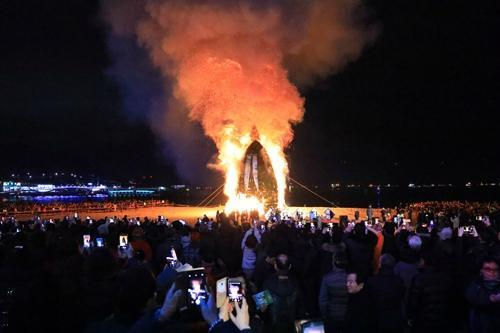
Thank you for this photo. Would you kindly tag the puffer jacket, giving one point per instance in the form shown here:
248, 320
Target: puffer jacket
283, 311
333, 296
429, 301
361, 252
387, 291
484, 316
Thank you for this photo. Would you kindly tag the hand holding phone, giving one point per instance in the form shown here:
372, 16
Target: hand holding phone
242, 318
172, 260
209, 310
86, 241
99, 242
234, 290
123, 241
195, 285
171, 303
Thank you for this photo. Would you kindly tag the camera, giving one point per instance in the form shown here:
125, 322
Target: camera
468, 230
172, 259
235, 290
232, 288
194, 283
99, 242
86, 241
123, 241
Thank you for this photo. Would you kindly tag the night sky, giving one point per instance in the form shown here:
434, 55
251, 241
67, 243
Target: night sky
420, 105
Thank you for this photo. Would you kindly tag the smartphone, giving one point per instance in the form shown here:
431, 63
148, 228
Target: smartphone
264, 298
173, 254
99, 242
195, 284
86, 241
234, 290
123, 241
172, 259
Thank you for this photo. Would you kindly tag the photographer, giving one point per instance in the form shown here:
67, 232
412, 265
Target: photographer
360, 247
230, 318
284, 289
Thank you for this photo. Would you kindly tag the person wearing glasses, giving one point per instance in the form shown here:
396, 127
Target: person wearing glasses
483, 295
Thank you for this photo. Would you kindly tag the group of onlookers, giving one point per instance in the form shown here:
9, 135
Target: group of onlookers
433, 275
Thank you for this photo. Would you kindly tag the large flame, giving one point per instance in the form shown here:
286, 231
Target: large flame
231, 154
230, 76
223, 60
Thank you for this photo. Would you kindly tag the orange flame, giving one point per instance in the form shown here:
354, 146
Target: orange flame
229, 75
226, 63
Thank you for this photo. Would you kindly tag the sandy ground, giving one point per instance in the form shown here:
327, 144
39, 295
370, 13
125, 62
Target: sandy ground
188, 213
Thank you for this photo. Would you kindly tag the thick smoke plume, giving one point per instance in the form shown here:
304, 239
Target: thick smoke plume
229, 65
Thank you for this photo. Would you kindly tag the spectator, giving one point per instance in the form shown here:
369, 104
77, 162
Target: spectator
483, 295
139, 243
284, 290
333, 296
359, 304
248, 244
360, 247
387, 291
389, 246
429, 299
190, 252
407, 266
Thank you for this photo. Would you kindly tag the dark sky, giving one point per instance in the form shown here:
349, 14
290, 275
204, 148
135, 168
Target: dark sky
421, 104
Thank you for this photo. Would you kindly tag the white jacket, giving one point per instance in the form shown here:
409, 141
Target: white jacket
249, 256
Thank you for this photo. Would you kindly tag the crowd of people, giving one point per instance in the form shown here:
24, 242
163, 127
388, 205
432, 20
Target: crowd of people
30, 207
439, 273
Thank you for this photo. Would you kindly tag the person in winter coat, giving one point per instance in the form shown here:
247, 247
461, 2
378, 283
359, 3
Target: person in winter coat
360, 247
333, 296
359, 317
284, 289
387, 291
429, 299
483, 295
